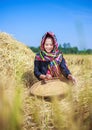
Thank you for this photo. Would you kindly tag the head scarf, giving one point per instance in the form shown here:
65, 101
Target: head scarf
54, 58
52, 35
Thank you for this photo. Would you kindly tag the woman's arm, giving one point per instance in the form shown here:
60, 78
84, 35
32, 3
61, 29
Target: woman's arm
64, 69
66, 72
37, 72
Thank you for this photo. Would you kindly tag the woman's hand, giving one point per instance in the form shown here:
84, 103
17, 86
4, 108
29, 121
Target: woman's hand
42, 76
72, 78
47, 76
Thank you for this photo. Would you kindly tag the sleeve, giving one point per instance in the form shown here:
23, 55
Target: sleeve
64, 69
37, 73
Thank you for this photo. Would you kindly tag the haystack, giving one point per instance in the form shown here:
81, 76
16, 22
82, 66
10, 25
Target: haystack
16, 60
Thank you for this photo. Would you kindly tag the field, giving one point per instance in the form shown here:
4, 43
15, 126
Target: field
71, 113
21, 111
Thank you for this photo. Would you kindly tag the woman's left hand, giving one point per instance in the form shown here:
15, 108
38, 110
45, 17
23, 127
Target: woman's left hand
72, 78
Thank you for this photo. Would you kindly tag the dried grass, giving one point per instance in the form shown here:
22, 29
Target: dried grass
16, 60
16, 70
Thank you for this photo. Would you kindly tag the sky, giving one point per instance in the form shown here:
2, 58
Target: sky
28, 20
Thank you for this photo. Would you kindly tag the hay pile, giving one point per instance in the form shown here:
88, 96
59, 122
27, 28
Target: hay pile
16, 60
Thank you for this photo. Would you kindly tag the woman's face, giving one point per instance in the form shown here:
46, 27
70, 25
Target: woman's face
48, 45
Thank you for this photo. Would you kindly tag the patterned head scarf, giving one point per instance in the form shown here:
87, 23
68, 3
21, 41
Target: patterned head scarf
52, 35
54, 58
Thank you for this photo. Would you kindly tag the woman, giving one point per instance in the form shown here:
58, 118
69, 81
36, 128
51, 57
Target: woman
49, 62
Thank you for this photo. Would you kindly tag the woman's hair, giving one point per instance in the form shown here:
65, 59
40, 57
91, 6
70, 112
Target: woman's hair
49, 36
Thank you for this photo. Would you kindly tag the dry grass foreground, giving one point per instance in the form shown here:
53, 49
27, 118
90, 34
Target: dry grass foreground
71, 113
19, 111
16, 71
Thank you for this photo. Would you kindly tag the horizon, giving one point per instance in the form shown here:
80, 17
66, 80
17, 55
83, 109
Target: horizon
27, 21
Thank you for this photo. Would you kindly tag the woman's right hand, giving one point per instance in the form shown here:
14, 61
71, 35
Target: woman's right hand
47, 76
42, 76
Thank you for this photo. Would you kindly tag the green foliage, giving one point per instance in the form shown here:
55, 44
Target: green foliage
35, 49
66, 49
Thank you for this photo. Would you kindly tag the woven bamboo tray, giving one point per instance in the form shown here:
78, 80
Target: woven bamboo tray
49, 88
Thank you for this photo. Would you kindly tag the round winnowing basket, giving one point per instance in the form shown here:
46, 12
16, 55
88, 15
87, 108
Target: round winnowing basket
49, 88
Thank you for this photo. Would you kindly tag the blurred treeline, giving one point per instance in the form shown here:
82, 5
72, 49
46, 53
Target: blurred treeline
66, 49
